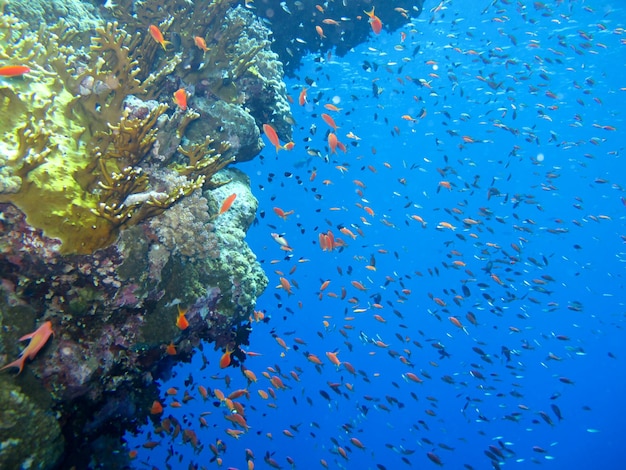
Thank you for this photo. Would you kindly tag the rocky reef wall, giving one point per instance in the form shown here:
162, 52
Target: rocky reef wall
118, 214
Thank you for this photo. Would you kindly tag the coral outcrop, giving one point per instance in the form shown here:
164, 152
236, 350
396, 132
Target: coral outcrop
80, 153
110, 197
75, 141
114, 312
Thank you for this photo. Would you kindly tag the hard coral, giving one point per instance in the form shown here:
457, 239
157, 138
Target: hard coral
81, 153
236, 85
88, 152
187, 230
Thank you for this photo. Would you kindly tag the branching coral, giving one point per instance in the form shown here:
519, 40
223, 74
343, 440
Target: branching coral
105, 81
206, 161
222, 64
81, 153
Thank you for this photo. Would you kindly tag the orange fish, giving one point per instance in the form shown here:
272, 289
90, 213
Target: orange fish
225, 359
456, 322
156, 34
314, 359
156, 408
302, 98
239, 393
171, 349
286, 285
271, 134
251, 376
374, 20
236, 418
219, 394
13, 70
200, 43
150, 444
180, 97
357, 443
277, 382
411, 376
181, 320
447, 225
332, 357
282, 214
332, 142
281, 343
346, 231
227, 203
234, 433
38, 339
332, 107
329, 120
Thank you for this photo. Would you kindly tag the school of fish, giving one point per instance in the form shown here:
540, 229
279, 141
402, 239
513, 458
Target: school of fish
450, 259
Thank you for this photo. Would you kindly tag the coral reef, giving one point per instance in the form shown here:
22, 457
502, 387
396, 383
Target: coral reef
76, 13
236, 84
81, 148
114, 311
109, 209
46, 157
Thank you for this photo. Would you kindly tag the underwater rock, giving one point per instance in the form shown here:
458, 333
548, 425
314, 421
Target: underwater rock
246, 277
232, 124
297, 21
263, 89
30, 437
189, 253
114, 312
234, 105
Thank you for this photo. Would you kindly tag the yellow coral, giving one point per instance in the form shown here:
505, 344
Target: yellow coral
76, 157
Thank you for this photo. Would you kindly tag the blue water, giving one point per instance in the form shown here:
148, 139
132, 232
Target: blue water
537, 113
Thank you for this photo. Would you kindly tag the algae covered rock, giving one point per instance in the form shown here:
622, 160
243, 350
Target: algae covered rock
245, 279
232, 124
195, 257
114, 312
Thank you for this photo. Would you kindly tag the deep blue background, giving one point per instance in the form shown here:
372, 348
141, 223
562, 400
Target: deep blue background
575, 51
